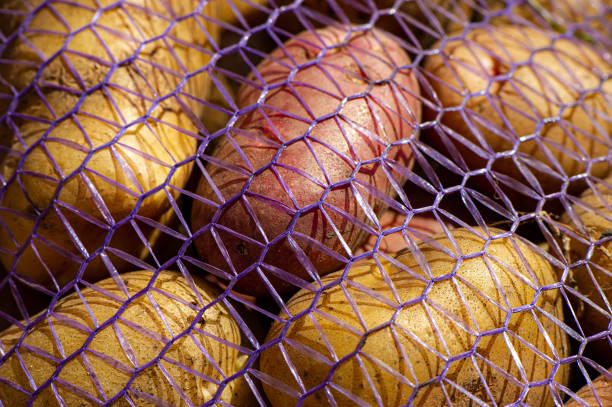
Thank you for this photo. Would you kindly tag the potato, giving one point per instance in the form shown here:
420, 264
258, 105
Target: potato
601, 388
590, 223
560, 12
530, 100
301, 189
119, 354
453, 322
76, 175
392, 241
589, 20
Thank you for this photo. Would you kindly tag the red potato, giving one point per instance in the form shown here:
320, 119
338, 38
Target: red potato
273, 180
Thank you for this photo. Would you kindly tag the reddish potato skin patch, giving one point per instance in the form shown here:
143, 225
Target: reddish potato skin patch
364, 103
391, 243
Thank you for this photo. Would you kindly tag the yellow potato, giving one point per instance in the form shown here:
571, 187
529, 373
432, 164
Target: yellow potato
114, 352
536, 100
119, 147
562, 12
592, 222
405, 353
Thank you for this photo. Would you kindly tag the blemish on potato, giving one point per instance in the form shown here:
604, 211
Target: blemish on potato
242, 249
354, 74
305, 54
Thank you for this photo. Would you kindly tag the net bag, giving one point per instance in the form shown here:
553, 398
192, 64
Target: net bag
309, 202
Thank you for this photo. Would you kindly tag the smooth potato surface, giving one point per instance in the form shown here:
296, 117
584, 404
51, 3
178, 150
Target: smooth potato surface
538, 103
151, 327
450, 311
305, 191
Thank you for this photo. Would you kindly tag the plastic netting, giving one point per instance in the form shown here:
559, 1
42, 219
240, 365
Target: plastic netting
235, 202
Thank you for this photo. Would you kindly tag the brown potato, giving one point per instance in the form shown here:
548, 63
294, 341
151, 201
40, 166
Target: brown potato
601, 388
590, 223
313, 179
404, 353
73, 176
149, 329
546, 107
560, 12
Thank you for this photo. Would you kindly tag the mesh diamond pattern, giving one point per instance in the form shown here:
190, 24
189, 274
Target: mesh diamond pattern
305, 202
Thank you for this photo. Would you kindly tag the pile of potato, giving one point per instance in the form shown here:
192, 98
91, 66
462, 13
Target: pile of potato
199, 235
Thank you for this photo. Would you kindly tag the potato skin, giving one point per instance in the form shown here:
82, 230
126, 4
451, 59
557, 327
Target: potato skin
387, 330
53, 174
417, 227
53, 167
591, 221
602, 386
548, 79
72, 323
560, 11
313, 184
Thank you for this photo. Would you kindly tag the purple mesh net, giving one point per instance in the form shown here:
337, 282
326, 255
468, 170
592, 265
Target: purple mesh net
315, 202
